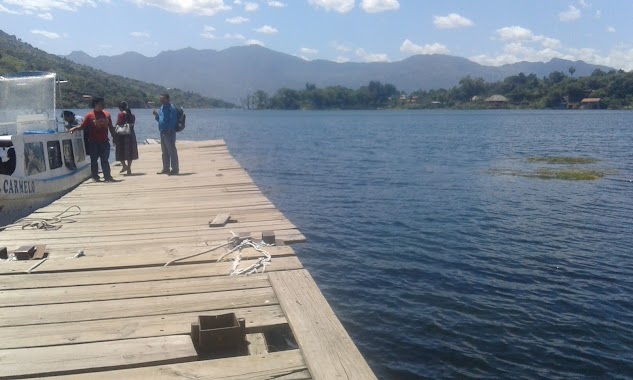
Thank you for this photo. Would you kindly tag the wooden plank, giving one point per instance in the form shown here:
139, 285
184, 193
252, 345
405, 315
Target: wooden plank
275, 365
328, 350
219, 220
89, 357
256, 344
130, 290
55, 334
136, 307
92, 260
39, 280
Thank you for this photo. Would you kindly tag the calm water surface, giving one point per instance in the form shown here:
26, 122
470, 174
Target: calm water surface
438, 261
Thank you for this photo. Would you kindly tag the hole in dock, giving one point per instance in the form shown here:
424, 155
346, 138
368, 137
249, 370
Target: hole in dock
280, 338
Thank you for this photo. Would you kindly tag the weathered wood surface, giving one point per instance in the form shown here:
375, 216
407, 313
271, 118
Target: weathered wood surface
321, 337
285, 365
77, 358
117, 312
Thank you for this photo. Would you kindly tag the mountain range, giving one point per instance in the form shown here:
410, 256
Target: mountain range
80, 80
232, 74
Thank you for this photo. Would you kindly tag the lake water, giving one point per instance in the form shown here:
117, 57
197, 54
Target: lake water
438, 261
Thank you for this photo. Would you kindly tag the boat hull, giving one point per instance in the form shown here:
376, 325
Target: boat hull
20, 196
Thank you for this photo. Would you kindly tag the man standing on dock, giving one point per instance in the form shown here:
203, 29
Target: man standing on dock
167, 119
98, 123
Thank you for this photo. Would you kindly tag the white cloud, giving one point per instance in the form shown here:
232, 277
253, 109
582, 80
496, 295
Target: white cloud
266, 29
340, 6
3, 9
371, 57
49, 35
519, 34
515, 33
340, 47
571, 14
409, 47
276, 4
610, 29
199, 8
375, 6
308, 51
50, 5
45, 16
207, 32
237, 20
341, 59
251, 7
254, 42
236, 36
140, 34
452, 21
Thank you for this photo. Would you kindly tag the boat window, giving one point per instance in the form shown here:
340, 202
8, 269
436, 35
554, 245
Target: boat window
69, 157
54, 154
34, 158
80, 150
7, 160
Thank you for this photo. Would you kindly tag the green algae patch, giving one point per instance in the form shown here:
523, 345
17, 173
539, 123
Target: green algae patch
557, 167
569, 174
562, 160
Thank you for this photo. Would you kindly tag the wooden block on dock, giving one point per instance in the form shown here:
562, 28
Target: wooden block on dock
220, 220
4, 254
268, 237
40, 252
25, 252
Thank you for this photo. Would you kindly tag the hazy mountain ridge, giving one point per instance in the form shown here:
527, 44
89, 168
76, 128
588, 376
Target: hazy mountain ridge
81, 79
233, 73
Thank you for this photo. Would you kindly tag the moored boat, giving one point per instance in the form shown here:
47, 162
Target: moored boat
38, 162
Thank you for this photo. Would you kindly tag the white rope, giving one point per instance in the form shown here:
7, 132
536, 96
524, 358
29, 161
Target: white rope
261, 263
53, 223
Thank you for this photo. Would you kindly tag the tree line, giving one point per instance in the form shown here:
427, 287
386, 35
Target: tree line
556, 90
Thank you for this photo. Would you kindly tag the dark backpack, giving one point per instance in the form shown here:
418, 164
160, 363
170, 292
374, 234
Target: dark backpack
180, 113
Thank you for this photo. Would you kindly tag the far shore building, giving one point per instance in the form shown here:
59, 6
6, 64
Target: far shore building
496, 101
590, 103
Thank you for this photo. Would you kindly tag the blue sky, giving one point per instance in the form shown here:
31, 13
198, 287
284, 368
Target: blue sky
490, 32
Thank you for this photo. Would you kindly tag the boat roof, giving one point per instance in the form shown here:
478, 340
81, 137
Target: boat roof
26, 74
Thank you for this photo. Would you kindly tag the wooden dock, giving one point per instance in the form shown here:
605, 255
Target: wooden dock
103, 305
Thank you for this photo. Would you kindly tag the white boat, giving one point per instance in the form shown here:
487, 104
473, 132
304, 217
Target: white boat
38, 162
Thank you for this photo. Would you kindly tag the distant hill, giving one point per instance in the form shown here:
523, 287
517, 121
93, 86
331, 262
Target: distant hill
16, 56
233, 73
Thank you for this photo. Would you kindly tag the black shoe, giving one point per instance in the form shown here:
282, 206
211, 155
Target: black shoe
173, 172
163, 172
110, 179
124, 169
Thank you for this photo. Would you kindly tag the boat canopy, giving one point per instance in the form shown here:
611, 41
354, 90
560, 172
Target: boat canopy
27, 102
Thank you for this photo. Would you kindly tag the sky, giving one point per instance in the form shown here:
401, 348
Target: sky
489, 32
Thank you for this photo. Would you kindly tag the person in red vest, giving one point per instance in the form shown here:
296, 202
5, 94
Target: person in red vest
98, 124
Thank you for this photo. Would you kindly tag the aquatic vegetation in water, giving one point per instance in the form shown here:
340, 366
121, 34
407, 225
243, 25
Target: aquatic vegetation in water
568, 169
569, 174
563, 160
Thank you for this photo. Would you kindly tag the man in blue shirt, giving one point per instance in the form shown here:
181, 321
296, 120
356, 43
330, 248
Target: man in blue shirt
167, 119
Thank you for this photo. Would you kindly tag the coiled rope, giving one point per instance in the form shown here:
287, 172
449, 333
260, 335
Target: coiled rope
53, 223
261, 263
